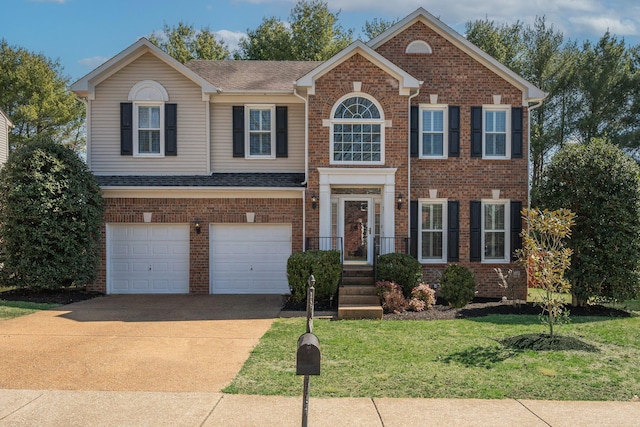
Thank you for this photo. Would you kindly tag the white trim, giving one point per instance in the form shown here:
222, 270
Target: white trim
381, 121
445, 130
247, 130
507, 229
405, 80
418, 47
530, 93
148, 90
366, 177
444, 204
85, 86
136, 142
201, 193
507, 109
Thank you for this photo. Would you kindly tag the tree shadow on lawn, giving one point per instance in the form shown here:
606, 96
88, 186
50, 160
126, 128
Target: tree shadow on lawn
487, 356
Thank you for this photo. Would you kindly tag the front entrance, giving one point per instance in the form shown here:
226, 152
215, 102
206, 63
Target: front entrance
357, 229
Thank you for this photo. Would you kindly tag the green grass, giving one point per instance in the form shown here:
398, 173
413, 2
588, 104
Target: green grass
536, 295
449, 359
11, 309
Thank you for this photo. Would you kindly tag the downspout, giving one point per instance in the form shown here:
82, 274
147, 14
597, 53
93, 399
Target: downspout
538, 102
306, 165
409, 168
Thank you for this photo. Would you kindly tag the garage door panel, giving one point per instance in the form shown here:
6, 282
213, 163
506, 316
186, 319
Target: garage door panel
249, 258
144, 259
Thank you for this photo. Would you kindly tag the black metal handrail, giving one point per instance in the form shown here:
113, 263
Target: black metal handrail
325, 244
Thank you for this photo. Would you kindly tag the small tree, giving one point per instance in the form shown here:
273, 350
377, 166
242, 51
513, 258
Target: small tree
546, 259
51, 217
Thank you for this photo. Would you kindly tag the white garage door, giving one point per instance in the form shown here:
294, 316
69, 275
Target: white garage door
147, 259
249, 258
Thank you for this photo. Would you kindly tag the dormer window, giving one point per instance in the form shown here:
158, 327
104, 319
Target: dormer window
357, 131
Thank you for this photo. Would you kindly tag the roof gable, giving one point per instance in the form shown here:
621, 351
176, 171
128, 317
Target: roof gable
86, 85
407, 82
530, 92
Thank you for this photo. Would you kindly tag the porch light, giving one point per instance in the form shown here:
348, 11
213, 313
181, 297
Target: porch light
197, 226
314, 201
399, 201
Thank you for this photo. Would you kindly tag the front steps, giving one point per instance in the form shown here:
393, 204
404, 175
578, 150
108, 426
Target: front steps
357, 297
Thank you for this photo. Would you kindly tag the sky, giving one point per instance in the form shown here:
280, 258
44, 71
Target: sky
81, 34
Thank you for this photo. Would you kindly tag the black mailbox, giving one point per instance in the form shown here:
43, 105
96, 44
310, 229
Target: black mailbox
308, 355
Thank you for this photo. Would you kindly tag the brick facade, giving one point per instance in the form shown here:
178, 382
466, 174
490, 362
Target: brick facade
458, 80
208, 211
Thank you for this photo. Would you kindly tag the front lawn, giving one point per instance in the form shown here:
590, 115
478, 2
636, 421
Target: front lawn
459, 358
11, 309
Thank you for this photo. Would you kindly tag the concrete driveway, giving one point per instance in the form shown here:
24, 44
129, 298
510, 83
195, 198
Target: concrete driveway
170, 343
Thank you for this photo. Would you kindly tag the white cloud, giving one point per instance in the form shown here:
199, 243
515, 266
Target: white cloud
93, 61
231, 38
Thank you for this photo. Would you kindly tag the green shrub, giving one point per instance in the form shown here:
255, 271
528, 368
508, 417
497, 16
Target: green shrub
326, 268
51, 218
458, 286
402, 269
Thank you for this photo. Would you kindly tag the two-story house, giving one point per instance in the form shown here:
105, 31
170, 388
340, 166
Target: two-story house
214, 172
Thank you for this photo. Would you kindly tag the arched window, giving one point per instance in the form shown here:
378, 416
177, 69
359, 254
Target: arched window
357, 131
148, 98
419, 47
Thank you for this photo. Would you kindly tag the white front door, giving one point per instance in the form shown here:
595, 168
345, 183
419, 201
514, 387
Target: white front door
357, 229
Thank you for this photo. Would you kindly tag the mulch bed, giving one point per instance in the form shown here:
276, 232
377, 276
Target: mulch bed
58, 296
485, 307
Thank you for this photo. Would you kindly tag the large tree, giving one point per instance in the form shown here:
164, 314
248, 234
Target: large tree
601, 184
34, 94
312, 34
605, 78
51, 215
184, 43
374, 28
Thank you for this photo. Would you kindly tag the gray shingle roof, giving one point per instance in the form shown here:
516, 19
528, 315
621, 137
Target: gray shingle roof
252, 75
264, 180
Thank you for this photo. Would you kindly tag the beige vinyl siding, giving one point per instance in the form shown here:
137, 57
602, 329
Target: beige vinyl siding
222, 159
4, 139
105, 122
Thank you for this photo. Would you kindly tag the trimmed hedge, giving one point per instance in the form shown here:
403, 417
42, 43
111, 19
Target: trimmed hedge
402, 269
326, 268
458, 285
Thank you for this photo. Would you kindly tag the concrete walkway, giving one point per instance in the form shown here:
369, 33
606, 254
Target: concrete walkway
94, 408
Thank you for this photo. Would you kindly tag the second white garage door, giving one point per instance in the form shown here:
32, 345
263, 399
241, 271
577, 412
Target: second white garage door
249, 258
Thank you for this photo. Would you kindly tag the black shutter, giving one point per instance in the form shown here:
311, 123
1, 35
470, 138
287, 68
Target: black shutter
282, 149
516, 228
414, 124
238, 131
453, 231
475, 231
476, 131
170, 129
516, 132
413, 228
126, 128
454, 131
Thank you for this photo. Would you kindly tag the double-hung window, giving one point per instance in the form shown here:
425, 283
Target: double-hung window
433, 230
357, 131
496, 132
150, 125
495, 226
260, 135
433, 137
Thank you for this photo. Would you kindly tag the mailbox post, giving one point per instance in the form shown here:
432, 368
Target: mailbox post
308, 354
